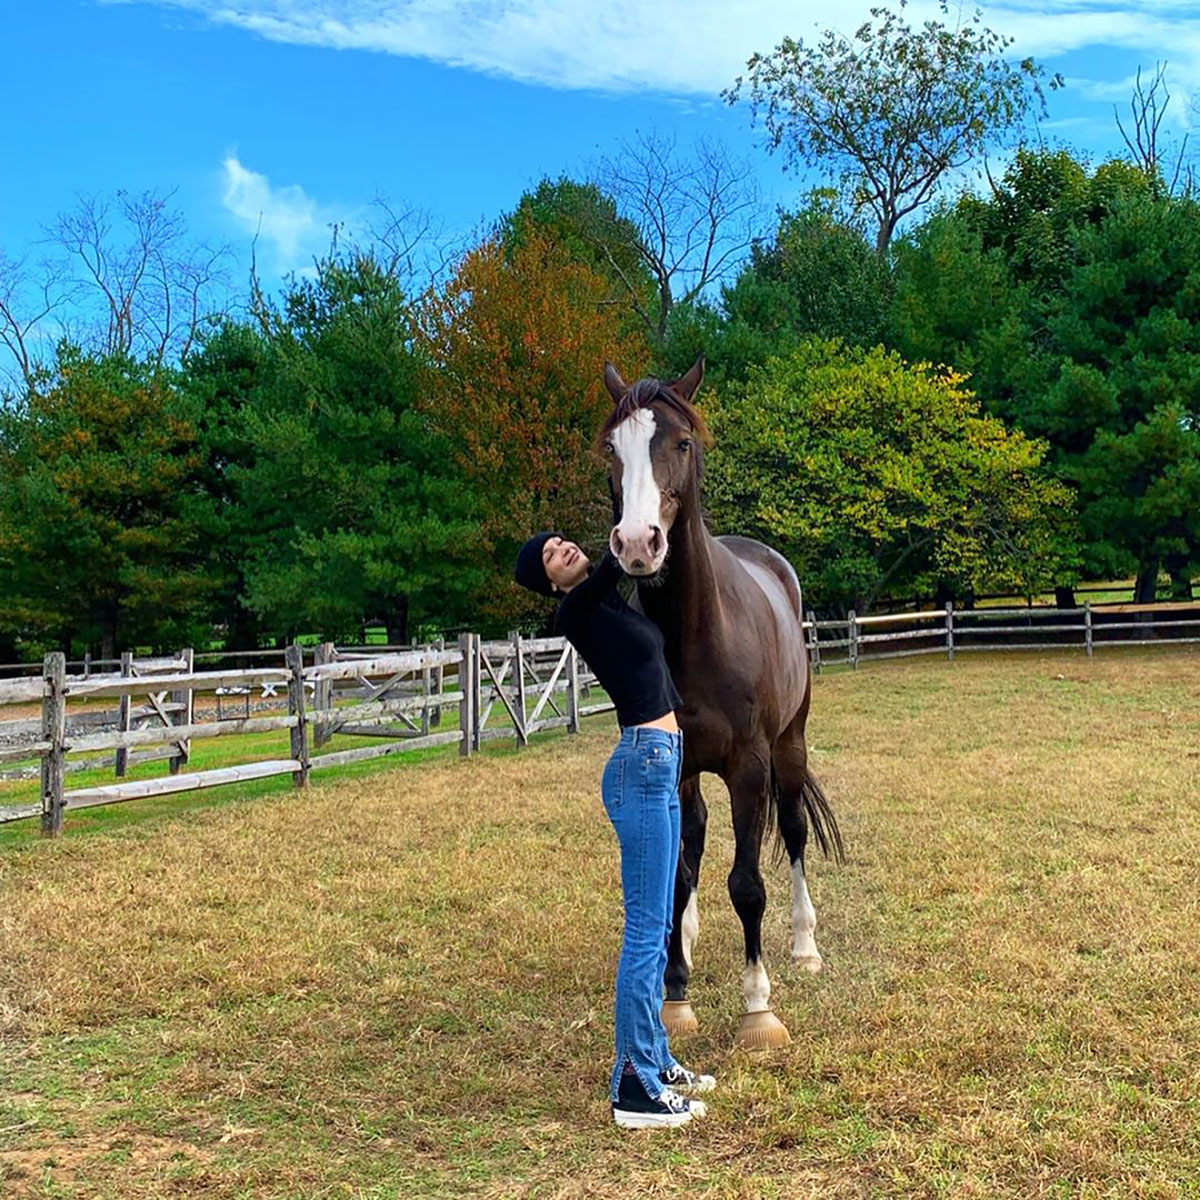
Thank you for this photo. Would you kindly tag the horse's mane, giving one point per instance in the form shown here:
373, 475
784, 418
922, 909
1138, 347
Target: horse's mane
644, 393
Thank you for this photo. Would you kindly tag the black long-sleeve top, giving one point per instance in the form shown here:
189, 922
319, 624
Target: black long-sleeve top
624, 648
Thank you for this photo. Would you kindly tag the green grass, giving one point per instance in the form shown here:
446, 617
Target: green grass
397, 982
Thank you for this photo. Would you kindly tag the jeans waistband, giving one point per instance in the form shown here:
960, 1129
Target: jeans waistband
641, 735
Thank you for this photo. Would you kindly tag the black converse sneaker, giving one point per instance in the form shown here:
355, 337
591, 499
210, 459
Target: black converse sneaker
683, 1080
636, 1109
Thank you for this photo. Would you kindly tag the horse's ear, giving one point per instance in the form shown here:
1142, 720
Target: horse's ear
686, 385
617, 387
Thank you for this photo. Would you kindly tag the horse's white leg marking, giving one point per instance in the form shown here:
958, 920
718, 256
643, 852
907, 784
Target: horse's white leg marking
640, 498
689, 928
804, 922
756, 987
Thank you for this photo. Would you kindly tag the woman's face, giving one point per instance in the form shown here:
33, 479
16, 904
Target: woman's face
566, 565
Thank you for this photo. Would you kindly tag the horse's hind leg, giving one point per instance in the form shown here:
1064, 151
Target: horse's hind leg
677, 1012
797, 790
748, 793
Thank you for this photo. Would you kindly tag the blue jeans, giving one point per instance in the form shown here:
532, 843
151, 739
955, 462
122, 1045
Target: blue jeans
640, 788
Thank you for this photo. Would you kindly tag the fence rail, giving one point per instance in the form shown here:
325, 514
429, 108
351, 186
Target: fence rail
508, 688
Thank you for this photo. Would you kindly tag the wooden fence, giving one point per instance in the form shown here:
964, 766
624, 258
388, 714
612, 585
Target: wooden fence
951, 631
400, 698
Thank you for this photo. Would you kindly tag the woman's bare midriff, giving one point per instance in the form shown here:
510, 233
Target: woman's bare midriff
666, 721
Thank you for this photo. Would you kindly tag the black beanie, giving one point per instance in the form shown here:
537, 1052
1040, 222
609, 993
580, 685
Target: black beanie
531, 571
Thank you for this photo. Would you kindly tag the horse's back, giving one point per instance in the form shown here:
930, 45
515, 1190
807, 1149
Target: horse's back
751, 553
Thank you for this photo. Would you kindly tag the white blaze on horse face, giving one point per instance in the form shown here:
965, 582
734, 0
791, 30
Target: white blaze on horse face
689, 928
804, 923
641, 501
756, 987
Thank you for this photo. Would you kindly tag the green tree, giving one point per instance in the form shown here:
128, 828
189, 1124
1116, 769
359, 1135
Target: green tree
879, 478
818, 278
1069, 296
582, 219
890, 111
1120, 387
356, 511
224, 377
96, 545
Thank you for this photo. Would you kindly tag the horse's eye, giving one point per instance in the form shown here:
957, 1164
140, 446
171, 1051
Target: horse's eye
685, 445
609, 448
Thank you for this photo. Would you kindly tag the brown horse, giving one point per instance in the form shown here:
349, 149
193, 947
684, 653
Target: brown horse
730, 610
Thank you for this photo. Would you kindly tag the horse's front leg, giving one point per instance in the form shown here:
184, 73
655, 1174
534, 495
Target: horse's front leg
677, 1014
749, 794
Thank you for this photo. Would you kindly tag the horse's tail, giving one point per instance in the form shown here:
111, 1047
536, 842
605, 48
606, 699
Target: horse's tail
820, 815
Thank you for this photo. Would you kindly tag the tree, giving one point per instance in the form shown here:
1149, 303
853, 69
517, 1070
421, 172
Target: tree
687, 220
225, 376
353, 511
516, 342
1069, 295
1119, 387
889, 112
95, 545
879, 478
1143, 139
581, 218
818, 277
122, 277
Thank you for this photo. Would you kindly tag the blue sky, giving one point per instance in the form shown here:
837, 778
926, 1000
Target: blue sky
285, 115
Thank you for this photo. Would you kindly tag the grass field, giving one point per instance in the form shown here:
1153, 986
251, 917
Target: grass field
397, 983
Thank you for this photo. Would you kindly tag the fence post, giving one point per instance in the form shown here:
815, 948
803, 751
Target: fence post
123, 716
477, 691
519, 681
572, 690
54, 731
439, 684
183, 749
852, 630
294, 658
467, 716
815, 643
426, 692
950, 630
87, 664
322, 696
1087, 627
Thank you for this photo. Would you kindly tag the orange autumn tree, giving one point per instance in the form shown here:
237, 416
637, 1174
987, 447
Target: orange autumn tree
517, 340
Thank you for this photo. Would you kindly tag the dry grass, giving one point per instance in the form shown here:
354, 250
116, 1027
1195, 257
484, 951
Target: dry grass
398, 984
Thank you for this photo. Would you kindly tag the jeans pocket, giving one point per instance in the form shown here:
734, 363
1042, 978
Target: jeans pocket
612, 784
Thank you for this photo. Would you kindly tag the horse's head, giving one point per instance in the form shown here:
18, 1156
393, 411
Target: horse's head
653, 439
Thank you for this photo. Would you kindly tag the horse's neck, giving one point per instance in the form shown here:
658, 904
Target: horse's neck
687, 599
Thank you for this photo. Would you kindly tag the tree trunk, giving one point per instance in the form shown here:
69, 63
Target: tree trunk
396, 622
1064, 597
1144, 591
108, 639
1181, 579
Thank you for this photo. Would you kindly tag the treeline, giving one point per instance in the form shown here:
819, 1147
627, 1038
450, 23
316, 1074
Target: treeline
1004, 396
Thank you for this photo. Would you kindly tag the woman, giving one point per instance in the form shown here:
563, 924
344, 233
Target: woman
640, 788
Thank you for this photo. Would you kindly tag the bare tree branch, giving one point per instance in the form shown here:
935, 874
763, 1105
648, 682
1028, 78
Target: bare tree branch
1147, 107
695, 216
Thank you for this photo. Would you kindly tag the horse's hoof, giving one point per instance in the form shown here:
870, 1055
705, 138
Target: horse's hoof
808, 962
761, 1031
678, 1018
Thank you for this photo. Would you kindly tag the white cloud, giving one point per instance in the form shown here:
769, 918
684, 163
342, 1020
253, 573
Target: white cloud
284, 219
688, 47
